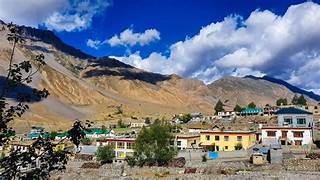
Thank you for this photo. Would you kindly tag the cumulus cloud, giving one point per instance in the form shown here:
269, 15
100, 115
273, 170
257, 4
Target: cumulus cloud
60, 15
129, 38
93, 43
284, 46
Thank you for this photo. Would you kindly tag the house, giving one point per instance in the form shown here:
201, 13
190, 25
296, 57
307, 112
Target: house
196, 128
251, 111
270, 110
218, 140
295, 136
122, 146
227, 115
35, 132
137, 125
98, 133
294, 117
187, 141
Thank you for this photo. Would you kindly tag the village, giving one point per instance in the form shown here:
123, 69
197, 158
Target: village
272, 135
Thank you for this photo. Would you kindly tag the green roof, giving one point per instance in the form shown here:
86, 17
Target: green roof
97, 131
251, 110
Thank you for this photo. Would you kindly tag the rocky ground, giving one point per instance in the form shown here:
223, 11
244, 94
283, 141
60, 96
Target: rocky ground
290, 169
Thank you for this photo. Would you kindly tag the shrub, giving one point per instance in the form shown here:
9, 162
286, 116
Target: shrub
86, 141
238, 146
204, 158
105, 154
131, 161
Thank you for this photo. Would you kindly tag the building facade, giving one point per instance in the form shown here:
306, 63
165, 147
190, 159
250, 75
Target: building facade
294, 117
295, 136
227, 140
187, 141
123, 147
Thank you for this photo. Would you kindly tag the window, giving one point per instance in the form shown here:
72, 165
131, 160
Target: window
284, 134
217, 138
226, 147
120, 145
301, 120
315, 107
129, 145
297, 134
226, 138
298, 142
178, 143
239, 138
287, 120
208, 138
271, 133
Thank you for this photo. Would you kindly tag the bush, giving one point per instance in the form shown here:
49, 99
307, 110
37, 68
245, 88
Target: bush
238, 146
131, 161
86, 141
204, 158
105, 154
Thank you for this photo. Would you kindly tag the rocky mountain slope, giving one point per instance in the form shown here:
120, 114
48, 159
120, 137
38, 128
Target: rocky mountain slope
86, 87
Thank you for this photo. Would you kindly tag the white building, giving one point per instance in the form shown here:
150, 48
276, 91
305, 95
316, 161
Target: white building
228, 115
295, 136
122, 146
187, 141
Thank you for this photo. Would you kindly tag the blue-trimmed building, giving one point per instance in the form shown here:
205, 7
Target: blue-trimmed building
294, 117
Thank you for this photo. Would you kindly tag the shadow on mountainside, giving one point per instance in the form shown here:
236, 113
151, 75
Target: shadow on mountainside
113, 67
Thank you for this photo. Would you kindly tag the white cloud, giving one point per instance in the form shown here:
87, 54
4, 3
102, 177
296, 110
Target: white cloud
31, 12
93, 43
60, 15
284, 46
129, 38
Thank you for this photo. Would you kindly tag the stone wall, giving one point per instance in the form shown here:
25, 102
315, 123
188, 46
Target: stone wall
302, 164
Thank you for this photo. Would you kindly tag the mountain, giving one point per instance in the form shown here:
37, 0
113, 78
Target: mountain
85, 87
292, 88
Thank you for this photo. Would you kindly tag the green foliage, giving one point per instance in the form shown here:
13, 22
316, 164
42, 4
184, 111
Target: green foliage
238, 146
204, 158
147, 120
282, 102
299, 100
120, 124
86, 141
252, 105
237, 108
185, 118
152, 146
105, 154
131, 161
53, 135
218, 107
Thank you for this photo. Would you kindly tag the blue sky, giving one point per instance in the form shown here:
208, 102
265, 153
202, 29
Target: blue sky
174, 19
203, 39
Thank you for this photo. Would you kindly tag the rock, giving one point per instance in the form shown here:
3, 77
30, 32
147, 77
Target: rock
190, 170
91, 165
178, 162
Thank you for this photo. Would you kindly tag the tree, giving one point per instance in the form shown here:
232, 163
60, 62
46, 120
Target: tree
282, 102
86, 141
238, 146
185, 118
147, 121
120, 124
295, 100
219, 107
105, 154
152, 146
41, 151
237, 108
251, 105
302, 101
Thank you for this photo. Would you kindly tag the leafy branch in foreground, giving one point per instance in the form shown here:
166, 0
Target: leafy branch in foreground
40, 158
